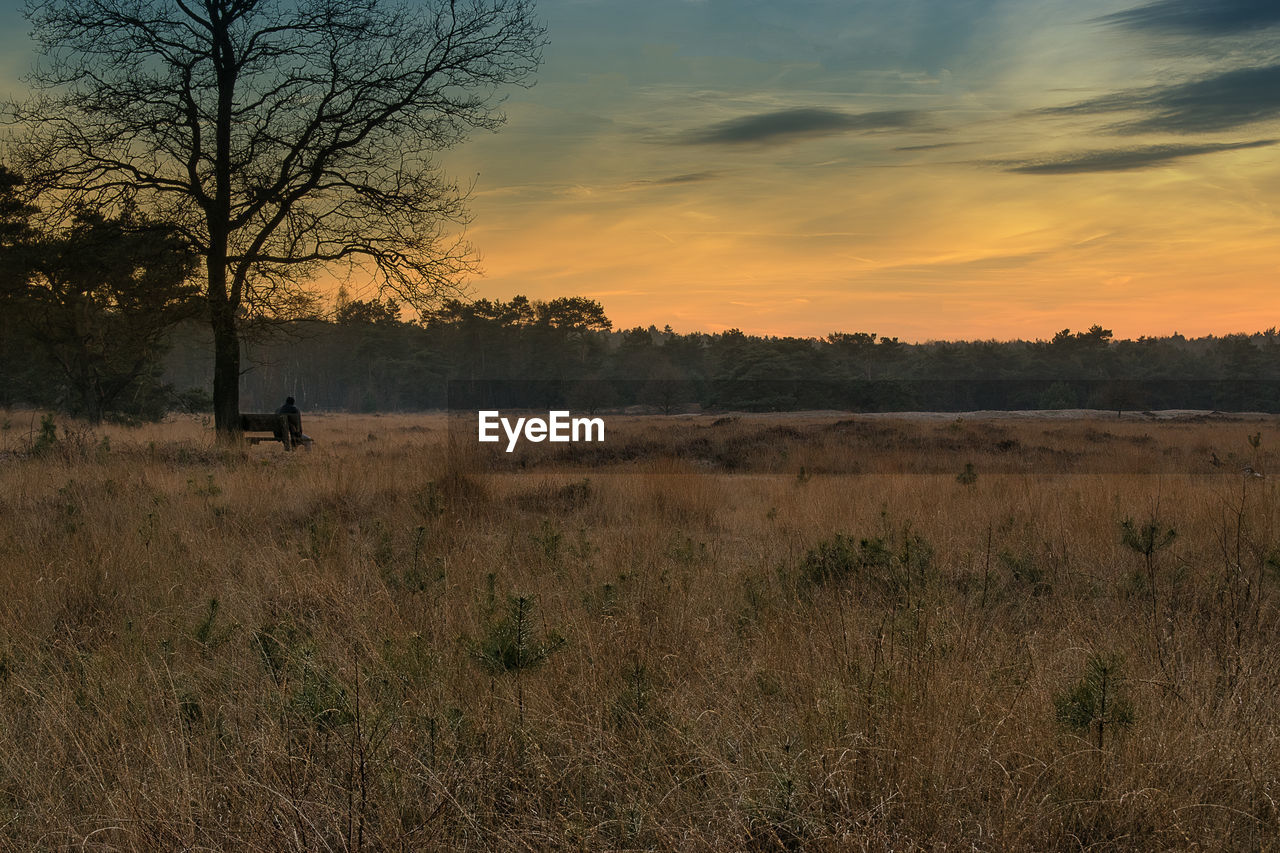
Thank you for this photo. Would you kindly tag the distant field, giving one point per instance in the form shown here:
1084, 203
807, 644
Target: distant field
819, 632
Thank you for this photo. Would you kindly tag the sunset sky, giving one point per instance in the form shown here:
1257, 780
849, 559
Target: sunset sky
920, 168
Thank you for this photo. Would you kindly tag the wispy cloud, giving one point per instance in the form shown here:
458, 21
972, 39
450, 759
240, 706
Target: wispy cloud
1199, 17
1217, 102
690, 178
682, 180
783, 126
1122, 159
929, 147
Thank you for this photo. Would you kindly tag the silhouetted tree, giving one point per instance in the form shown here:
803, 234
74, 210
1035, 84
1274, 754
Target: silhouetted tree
18, 371
578, 318
348, 311
100, 300
280, 137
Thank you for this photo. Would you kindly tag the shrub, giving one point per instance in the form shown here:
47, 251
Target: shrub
1097, 702
898, 564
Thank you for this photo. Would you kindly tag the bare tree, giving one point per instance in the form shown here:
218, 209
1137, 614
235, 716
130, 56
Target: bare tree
282, 136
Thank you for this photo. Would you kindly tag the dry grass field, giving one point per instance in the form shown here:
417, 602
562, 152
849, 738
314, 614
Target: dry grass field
761, 633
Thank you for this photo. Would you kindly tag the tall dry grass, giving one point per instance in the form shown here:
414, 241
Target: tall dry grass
242, 649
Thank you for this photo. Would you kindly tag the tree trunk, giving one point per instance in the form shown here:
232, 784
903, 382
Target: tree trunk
223, 302
226, 353
226, 374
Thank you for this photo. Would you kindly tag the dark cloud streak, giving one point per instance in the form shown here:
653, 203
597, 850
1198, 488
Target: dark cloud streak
1223, 101
1198, 17
929, 147
677, 180
1123, 159
783, 126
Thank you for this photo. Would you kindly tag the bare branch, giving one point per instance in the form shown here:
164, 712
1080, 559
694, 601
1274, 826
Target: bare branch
280, 138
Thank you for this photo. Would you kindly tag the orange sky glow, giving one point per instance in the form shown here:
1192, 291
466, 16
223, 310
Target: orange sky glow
1055, 165
926, 170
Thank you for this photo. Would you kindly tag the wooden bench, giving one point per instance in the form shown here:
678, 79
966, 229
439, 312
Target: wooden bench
286, 429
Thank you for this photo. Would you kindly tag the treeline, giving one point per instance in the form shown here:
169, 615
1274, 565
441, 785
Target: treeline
565, 352
99, 318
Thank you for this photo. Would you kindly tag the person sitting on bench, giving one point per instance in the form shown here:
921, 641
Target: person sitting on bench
295, 424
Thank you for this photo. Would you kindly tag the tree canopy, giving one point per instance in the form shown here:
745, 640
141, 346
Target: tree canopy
88, 307
279, 138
